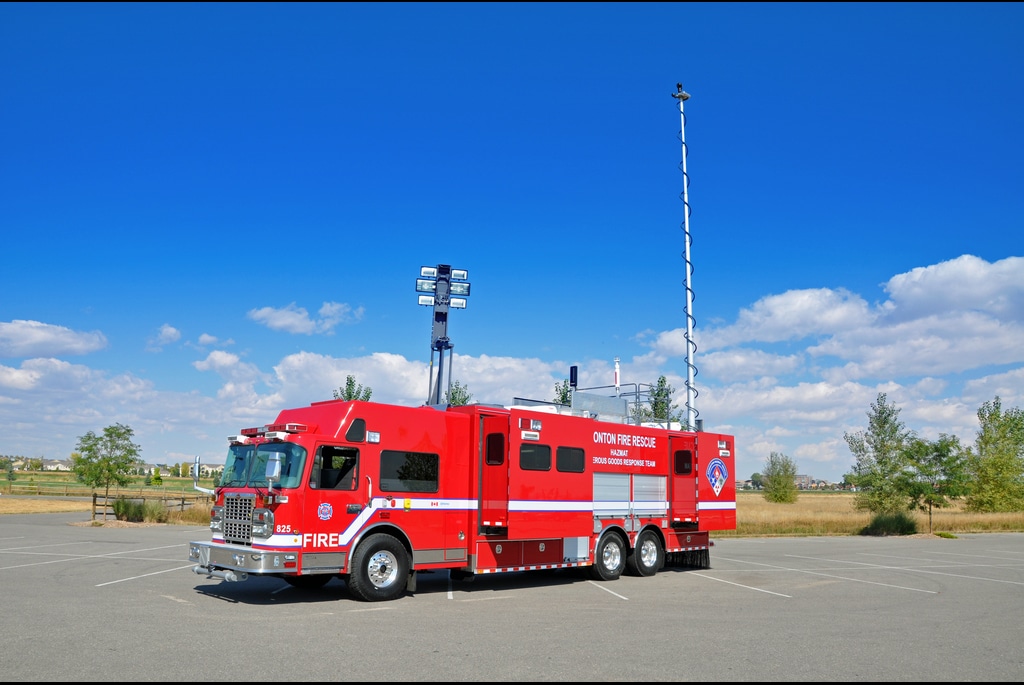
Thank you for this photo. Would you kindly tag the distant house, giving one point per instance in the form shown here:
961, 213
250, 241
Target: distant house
56, 465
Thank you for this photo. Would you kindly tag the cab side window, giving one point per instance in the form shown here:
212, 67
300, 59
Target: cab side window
335, 468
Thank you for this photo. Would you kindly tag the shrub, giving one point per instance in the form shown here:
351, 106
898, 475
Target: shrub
899, 523
128, 510
154, 512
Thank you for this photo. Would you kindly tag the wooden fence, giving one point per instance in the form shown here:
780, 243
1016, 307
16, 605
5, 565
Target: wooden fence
104, 505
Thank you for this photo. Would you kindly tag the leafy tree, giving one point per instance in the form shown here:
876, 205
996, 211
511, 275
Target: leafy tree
779, 478
883, 465
458, 395
939, 473
351, 391
106, 459
661, 401
756, 480
563, 393
659, 406
157, 479
997, 463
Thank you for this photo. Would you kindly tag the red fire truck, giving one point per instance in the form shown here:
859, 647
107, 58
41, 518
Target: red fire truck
373, 493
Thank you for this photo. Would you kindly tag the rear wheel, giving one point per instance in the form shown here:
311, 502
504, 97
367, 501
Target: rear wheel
380, 569
609, 557
647, 557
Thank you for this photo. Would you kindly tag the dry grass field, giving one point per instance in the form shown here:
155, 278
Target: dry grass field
833, 513
812, 514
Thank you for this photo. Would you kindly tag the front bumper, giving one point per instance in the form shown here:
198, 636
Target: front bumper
215, 559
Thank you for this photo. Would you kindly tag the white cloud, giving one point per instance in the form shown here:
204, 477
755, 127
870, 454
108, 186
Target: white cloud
295, 319
792, 374
20, 338
964, 284
166, 335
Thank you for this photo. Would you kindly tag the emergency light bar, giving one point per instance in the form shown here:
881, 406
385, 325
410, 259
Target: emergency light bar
276, 428
287, 427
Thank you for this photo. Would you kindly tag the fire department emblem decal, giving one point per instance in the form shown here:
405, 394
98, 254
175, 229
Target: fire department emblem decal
325, 511
717, 474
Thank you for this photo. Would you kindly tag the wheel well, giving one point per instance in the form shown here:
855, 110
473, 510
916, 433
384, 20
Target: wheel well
388, 529
653, 529
616, 529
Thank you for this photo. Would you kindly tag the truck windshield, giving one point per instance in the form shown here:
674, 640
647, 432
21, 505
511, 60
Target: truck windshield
247, 464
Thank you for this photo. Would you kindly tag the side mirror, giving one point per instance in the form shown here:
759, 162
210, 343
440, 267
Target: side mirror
195, 478
273, 469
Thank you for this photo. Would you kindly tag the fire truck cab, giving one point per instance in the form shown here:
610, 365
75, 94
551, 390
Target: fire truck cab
374, 493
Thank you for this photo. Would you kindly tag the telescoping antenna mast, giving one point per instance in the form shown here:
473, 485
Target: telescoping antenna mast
691, 371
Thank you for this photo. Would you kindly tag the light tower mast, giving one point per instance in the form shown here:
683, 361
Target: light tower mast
691, 371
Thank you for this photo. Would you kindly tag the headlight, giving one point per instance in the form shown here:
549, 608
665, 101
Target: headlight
216, 518
262, 523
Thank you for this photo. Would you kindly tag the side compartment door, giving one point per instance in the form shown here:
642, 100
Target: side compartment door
493, 469
683, 474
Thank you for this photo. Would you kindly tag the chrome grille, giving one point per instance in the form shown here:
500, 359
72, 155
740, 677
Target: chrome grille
238, 518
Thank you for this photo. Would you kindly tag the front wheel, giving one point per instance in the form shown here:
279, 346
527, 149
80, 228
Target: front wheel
647, 557
379, 570
609, 557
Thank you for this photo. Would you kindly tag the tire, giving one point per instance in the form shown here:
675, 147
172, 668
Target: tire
647, 557
379, 570
609, 557
309, 582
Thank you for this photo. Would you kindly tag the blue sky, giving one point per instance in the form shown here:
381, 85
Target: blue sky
215, 211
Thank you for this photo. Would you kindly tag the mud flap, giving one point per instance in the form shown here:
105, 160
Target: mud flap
410, 585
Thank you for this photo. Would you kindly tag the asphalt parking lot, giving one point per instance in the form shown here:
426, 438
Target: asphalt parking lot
86, 603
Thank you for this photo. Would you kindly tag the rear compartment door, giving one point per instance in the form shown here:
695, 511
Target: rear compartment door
493, 469
683, 474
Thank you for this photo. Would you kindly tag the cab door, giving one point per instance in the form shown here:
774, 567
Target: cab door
683, 474
332, 505
493, 469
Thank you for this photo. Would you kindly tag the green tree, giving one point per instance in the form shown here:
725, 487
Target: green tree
106, 459
659, 405
756, 481
996, 464
563, 393
779, 479
156, 479
883, 465
939, 473
351, 391
458, 395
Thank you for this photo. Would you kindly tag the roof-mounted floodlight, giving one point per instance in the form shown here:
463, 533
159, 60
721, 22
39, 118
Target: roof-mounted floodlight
440, 283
